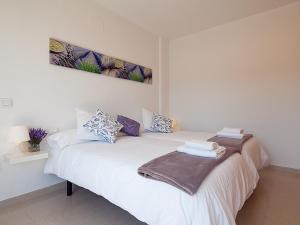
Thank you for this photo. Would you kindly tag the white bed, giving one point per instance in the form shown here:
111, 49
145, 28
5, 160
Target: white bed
110, 170
252, 152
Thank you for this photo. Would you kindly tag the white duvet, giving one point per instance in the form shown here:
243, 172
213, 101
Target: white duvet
110, 170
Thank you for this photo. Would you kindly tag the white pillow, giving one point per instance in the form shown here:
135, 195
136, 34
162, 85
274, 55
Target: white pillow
63, 139
147, 119
83, 133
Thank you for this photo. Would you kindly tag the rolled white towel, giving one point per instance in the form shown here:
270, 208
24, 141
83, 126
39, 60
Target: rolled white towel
218, 153
229, 135
233, 130
207, 145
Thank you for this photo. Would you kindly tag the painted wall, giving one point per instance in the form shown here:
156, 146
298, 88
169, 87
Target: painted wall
164, 81
46, 95
243, 74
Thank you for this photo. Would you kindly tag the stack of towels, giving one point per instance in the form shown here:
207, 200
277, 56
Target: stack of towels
237, 133
202, 148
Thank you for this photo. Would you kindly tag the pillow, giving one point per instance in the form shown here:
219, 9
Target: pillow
63, 139
147, 119
161, 124
103, 124
130, 127
83, 133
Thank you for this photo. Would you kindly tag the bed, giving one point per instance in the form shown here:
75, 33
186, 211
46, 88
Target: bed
252, 152
110, 170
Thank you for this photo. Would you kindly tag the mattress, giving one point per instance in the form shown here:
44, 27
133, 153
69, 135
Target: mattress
252, 152
110, 170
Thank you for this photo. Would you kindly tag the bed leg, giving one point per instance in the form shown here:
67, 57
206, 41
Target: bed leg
69, 188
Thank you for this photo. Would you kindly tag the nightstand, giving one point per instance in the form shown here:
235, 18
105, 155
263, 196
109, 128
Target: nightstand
20, 157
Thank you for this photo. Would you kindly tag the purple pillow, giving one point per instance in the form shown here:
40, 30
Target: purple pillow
130, 127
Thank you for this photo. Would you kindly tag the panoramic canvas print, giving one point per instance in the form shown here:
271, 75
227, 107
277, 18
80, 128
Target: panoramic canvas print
67, 55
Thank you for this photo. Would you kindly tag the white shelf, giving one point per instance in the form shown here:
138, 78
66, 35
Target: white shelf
21, 157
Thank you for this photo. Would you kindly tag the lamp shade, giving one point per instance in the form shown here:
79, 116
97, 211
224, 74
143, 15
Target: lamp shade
175, 125
18, 134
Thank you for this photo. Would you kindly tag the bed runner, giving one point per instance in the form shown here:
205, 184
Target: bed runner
183, 171
231, 142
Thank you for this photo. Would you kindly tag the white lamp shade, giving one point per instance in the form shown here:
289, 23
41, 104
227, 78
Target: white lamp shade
18, 134
175, 125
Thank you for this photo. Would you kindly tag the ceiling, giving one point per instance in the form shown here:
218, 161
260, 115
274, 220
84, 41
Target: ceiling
175, 18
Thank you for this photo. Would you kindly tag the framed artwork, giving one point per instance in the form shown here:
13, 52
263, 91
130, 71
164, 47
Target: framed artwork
71, 56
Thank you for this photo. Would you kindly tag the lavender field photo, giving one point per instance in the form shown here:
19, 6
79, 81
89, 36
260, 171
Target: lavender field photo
71, 56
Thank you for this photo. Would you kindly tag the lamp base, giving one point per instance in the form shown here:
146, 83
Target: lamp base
23, 147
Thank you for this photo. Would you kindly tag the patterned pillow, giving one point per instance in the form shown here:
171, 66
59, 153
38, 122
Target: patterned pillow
161, 124
103, 124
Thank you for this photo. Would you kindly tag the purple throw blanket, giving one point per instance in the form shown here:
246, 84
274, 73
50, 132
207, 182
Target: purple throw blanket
231, 142
183, 171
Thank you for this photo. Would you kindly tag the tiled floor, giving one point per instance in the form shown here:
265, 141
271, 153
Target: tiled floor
276, 201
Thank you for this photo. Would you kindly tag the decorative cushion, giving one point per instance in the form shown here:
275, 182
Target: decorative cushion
103, 124
130, 127
161, 124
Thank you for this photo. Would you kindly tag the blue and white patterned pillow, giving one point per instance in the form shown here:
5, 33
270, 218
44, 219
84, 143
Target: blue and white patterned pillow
103, 124
161, 124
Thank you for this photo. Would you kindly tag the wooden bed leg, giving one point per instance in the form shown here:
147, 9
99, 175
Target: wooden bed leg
69, 188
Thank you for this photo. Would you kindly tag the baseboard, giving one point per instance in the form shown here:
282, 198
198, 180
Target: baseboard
31, 195
284, 169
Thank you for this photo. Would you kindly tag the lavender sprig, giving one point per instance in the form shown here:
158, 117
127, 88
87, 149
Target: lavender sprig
36, 135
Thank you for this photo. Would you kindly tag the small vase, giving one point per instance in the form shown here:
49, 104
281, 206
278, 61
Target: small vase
34, 147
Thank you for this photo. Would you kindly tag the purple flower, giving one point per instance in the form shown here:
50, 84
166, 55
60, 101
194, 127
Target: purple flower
36, 135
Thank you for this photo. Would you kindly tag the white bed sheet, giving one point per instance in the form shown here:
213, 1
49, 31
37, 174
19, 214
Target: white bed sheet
252, 152
110, 170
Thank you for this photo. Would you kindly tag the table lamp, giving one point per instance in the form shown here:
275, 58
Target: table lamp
18, 135
175, 125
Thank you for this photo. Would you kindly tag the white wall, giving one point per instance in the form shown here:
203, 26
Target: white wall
243, 74
164, 81
46, 95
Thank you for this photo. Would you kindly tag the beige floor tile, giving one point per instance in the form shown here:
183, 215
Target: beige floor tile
276, 201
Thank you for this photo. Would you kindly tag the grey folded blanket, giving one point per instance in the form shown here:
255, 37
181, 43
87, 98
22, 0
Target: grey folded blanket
231, 142
182, 170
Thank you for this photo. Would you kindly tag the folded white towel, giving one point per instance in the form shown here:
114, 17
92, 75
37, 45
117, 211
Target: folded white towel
218, 153
207, 145
233, 130
230, 135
